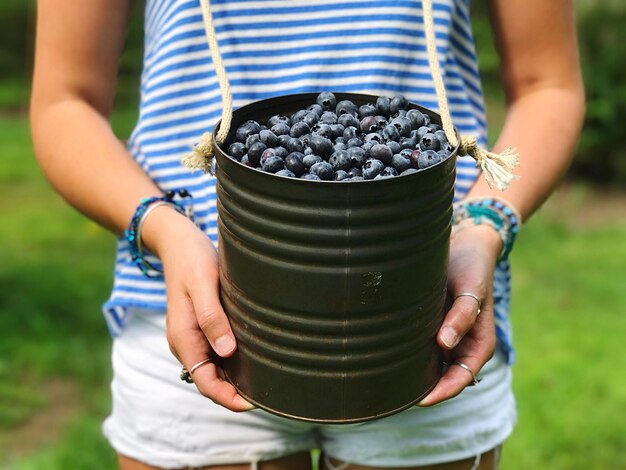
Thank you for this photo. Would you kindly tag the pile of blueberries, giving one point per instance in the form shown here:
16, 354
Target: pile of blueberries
341, 141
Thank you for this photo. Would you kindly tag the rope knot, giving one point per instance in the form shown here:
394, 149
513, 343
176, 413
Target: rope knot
497, 167
201, 157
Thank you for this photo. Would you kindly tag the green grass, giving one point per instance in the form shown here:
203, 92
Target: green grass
568, 307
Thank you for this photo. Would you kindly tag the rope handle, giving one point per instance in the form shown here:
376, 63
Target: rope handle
497, 168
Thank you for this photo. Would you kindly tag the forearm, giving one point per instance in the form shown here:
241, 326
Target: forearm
544, 125
86, 163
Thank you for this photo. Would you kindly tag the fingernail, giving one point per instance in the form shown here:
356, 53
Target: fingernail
224, 345
449, 336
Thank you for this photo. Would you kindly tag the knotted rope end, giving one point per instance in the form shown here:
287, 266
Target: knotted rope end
497, 167
201, 157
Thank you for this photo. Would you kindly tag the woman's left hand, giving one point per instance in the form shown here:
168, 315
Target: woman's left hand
467, 334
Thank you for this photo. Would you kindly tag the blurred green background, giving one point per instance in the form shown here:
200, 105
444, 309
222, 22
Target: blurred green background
569, 300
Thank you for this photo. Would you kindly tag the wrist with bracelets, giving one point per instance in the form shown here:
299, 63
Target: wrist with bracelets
492, 211
133, 233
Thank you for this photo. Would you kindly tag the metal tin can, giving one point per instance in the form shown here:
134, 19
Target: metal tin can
334, 290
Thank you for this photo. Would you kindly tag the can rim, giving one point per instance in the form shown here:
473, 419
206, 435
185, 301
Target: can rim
339, 95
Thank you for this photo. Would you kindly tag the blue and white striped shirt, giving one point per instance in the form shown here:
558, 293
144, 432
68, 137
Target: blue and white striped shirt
279, 47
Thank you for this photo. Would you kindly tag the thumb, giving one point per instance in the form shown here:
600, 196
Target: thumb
212, 319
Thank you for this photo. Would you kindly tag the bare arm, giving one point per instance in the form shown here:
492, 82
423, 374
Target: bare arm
545, 105
77, 51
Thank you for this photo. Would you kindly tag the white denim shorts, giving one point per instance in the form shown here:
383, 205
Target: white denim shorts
162, 421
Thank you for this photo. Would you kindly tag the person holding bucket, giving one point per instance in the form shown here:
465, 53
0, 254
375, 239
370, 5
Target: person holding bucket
143, 193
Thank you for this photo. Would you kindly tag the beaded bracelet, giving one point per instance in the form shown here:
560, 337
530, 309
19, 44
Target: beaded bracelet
133, 232
492, 211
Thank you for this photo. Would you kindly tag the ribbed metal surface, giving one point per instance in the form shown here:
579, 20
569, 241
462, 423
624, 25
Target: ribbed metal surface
334, 290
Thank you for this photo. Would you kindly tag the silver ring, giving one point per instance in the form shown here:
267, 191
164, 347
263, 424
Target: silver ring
201, 363
475, 380
185, 375
473, 296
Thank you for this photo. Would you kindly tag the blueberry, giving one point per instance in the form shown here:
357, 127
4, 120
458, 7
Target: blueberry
348, 120
283, 140
427, 119
252, 139
346, 107
277, 119
372, 168
406, 153
444, 154
434, 127
310, 160
414, 158
383, 105
326, 100
381, 152
308, 151
340, 140
367, 146
329, 118
400, 163
340, 175
246, 161
285, 173
422, 131
336, 130
294, 145
340, 160
247, 129
390, 132
316, 108
403, 125
373, 137
322, 169
429, 142
237, 150
397, 103
281, 128
267, 154
293, 163
310, 176
323, 129
268, 138
352, 172
428, 158
381, 121
357, 178
354, 142
416, 117
408, 172
254, 153
389, 171
357, 156
368, 124
349, 132
281, 152
367, 110
394, 146
408, 143
297, 116
273, 164
299, 129
311, 119
339, 146
442, 138
321, 145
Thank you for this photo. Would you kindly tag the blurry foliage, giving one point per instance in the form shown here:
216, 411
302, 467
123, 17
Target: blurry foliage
602, 153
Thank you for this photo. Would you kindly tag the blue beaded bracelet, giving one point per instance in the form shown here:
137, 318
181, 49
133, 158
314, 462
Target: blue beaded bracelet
494, 212
133, 232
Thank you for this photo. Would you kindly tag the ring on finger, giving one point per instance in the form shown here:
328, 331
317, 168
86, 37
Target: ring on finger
185, 375
475, 380
473, 296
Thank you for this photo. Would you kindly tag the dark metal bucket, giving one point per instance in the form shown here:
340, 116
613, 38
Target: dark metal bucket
334, 290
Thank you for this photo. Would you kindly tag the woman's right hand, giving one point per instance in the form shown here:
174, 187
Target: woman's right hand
197, 327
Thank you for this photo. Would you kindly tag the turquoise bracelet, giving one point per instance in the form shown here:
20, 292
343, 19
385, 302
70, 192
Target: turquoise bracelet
494, 212
133, 232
